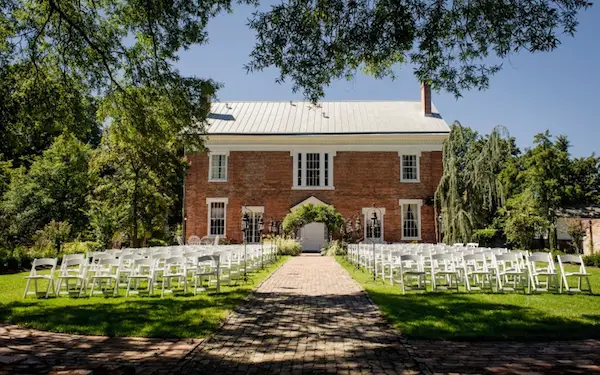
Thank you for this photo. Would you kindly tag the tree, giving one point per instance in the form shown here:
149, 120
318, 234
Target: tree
37, 108
469, 192
313, 42
584, 181
523, 219
577, 232
54, 188
546, 177
140, 160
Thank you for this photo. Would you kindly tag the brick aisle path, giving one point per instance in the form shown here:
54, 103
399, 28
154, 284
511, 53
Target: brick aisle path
29, 351
309, 317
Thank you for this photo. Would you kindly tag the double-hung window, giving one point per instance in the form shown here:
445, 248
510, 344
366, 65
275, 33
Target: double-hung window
409, 168
217, 216
313, 170
218, 167
411, 218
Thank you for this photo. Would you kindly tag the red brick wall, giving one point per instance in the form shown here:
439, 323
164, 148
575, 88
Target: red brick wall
361, 179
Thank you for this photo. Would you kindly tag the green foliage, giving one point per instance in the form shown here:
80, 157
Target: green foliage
80, 247
334, 248
309, 213
52, 236
470, 193
577, 232
523, 220
55, 187
38, 104
484, 236
287, 246
592, 260
446, 43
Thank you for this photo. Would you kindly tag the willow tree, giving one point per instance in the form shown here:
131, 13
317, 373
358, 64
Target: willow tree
469, 192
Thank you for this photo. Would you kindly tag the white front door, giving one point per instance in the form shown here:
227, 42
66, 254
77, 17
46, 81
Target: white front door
312, 236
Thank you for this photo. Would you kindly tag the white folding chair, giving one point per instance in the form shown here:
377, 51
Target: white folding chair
581, 273
175, 268
36, 266
209, 269
107, 270
443, 268
476, 272
511, 272
72, 269
410, 268
141, 270
541, 266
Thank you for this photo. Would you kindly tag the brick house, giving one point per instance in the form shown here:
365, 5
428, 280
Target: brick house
359, 156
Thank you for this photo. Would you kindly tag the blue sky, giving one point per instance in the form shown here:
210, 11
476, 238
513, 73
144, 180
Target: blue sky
556, 91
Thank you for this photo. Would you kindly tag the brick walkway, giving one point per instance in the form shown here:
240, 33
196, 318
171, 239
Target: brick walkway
308, 317
29, 351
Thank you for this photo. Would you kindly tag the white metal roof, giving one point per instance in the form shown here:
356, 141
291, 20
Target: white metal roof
347, 117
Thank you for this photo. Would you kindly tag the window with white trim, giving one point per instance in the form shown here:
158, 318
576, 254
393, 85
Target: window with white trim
411, 218
373, 230
218, 167
254, 215
217, 216
409, 168
313, 170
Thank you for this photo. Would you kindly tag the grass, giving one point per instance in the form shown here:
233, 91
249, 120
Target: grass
180, 316
485, 316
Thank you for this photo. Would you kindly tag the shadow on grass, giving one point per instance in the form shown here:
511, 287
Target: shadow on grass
148, 316
459, 317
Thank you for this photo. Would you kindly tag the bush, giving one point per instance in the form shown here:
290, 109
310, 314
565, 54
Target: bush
484, 237
80, 247
288, 246
592, 260
49, 239
335, 248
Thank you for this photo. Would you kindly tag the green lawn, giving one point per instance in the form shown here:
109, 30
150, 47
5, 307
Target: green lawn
180, 316
486, 316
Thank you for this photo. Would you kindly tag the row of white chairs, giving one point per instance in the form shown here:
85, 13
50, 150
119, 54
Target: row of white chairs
198, 267
413, 266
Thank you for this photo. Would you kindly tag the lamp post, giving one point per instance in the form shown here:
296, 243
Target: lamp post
261, 227
374, 222
245, 228
274, 229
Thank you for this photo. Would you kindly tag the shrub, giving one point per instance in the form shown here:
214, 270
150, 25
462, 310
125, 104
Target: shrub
80, 247
49, 239
335, 248
288, 246
592, 260
484, 236
577, 232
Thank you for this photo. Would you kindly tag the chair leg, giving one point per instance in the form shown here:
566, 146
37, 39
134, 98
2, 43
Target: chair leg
26, 288
116, 292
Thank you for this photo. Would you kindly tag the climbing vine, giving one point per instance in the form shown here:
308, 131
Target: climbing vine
309, 213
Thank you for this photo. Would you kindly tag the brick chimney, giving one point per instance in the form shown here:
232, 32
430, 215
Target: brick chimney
426, 98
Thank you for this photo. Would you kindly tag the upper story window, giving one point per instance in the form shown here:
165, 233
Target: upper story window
409, 168
313, 170
218, 167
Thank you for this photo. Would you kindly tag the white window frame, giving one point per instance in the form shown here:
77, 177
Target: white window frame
367, 213
417, 154
256, 210
209, 202
210, 166
419, 203
302, 172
